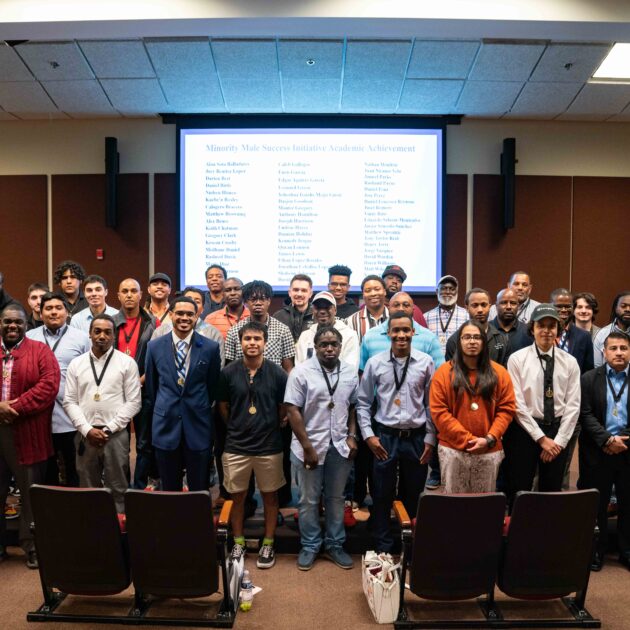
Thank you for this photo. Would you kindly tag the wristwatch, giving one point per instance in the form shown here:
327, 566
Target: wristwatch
353, 435
491, 440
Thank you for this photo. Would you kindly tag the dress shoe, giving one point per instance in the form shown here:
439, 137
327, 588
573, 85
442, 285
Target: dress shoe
31, 559
597, 562
625, 560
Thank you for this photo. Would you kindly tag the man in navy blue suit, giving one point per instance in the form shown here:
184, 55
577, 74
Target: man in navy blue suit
182, 370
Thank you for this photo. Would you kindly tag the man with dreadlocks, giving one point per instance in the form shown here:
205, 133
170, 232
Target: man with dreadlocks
472, 404
619, 322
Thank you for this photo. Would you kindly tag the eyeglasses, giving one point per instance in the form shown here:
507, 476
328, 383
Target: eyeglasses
338, 285
472, 337
563, 307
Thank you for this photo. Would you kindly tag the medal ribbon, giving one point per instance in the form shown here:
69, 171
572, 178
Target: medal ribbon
399, 383
98, 379
616, 395
65, 330
331, 388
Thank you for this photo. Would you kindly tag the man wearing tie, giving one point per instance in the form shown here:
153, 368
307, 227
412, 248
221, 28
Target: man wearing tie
182, 371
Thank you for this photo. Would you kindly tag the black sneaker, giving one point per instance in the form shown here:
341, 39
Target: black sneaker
266, 557
31, 559
238, 551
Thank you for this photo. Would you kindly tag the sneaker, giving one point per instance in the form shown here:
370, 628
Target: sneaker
348, 516
11, 511
266, 557
152, 485
14, 491
31, 559
306, 559
355, 506
339, 557
238, 551
434, 481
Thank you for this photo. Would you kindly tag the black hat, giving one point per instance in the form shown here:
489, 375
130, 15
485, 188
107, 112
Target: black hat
395, 270
156, 277
545, 310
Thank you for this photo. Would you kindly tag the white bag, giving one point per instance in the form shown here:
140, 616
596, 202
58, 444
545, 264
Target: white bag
235, 575
381, 585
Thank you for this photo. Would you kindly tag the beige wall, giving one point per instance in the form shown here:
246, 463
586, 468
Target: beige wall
148, 146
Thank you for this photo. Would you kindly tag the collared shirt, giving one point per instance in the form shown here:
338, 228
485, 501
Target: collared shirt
119, 398
307, 389
378, 383
279, 346
438, 322
176, 341
83, 318
7, 371
67, 343
206, 330
600, 338
223, 320
305, 347
524, 313
527, 375
518, 335
377, 340
615, 424
362, 321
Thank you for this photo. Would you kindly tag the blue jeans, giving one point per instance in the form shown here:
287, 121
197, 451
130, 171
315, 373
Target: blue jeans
328, 479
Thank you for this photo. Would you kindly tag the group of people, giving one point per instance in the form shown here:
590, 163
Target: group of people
339, 398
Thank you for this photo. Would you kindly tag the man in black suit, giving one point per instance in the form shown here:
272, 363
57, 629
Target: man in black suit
604, 455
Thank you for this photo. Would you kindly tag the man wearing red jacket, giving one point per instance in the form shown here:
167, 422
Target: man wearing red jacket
30, 381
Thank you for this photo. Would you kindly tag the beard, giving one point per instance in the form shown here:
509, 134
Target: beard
448, 301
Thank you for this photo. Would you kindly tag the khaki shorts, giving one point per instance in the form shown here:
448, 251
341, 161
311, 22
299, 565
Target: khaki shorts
237, 470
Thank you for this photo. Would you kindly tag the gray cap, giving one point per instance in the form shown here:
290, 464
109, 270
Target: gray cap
545, 310
444, 279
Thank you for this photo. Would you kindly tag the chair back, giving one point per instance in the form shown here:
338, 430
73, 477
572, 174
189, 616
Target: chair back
79, 544
456, 545
548, 549
172, 543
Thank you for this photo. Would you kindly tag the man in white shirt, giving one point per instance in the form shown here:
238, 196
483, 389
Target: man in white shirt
95, 291
102, 396
324, 308
547, 390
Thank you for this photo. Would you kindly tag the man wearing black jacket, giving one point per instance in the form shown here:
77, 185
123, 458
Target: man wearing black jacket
134, 327
296, 312
604, 454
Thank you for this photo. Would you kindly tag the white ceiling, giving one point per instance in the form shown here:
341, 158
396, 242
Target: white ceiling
478, 68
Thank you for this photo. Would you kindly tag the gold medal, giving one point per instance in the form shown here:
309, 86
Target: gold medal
615, 412
549, 392
180, 381
474, 406
397, 402
331, 405
442, 339
97, 397
252, 410
128, 352
5, 374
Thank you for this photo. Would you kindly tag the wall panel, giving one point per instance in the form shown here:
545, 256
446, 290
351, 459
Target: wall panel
166, 225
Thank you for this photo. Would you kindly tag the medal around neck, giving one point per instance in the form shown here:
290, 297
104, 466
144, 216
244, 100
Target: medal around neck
252, 410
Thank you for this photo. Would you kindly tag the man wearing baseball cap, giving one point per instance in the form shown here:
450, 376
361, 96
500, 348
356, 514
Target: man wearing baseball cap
394, 277
159, 291
324, 308
447, 316
547, 390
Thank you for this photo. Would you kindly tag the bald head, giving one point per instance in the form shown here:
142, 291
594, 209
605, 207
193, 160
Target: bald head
401, 301
507, 306
129, 295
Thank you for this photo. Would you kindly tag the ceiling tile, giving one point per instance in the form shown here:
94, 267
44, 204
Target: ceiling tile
600, 99
488, 97
311, 95
182, 58
441, 59
190, 95
55, 61
12, 68
425, 96
544, 100
370, 96
623, 116
79, 97
240, 59
327, 58
252, 95
376, 59
122, 59
572, 63
56, 115
136, 96
505, 62
24, 97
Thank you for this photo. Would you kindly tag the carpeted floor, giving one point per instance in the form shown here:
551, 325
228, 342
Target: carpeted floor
325, 597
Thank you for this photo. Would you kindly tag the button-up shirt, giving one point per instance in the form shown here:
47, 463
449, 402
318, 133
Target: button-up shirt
528, 376
205, 330
438, 317
279, 346
223, 320
600, 338
377, 340
305, 347
307, 389
615, 424
119, 397
362, 321
378, 383
176, 340
83, 319
7, 371
67, 343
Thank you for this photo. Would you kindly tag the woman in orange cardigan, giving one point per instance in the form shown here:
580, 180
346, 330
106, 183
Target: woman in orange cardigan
472, 404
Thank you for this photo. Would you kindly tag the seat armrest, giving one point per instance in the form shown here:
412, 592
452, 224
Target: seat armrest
401, 515
224, 516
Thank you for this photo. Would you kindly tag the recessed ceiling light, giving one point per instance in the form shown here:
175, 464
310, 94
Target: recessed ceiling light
616, 65
310, 62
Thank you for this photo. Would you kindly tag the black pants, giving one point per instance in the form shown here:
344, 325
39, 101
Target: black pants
522, 460
363, 465
171, 465
63, 445
614, 470
146, 465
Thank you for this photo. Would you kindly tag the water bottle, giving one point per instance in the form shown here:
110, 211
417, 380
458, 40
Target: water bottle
247, 594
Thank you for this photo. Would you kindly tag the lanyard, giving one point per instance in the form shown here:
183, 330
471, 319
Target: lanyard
249, 380
65, 330
331, 388
399, 383
133, 330
98, 379
616, 395
448, 321
179, 365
